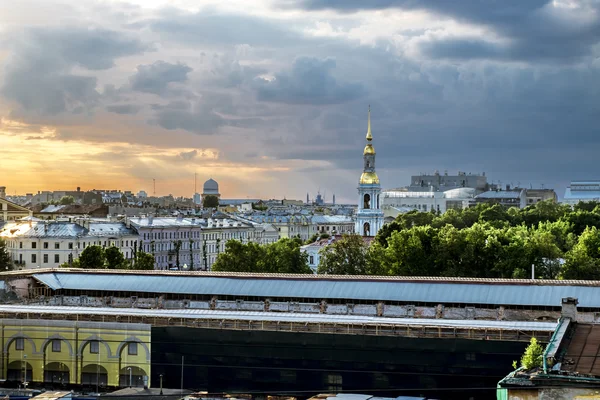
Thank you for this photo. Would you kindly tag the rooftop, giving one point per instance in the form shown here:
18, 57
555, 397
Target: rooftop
509, 292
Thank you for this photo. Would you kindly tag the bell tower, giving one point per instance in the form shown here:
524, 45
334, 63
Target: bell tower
369, 217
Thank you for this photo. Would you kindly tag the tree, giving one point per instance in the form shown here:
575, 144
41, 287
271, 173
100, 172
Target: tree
345, 256
240, 257
210, 201
143, 261
177, 245
5, 261
533, 356
583, 260
66, 200
285, 257
191, 254
114, 258
92, 257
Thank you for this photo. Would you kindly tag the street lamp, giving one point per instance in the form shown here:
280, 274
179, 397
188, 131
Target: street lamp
129, 369
161, 376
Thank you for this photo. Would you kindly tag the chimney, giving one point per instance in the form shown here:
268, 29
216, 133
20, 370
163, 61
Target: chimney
569, 308
150, 219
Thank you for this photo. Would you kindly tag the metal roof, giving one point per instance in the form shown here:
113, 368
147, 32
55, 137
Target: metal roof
283, 316
501, 194
304, 287
332, 219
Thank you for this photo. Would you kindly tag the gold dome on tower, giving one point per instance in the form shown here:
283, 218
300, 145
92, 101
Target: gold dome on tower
369, 178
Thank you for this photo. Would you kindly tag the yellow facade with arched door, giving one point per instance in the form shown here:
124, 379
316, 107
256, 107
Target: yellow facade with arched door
71, 352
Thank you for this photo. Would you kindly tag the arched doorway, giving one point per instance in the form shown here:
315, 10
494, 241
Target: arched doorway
366, 229
132, 376
367, 201
17, 370
56, 372
94, 374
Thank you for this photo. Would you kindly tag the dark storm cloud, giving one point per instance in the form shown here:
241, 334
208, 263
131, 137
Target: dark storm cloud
124, 108
39, 74
193, 117
155, 78
310, 81
536, 29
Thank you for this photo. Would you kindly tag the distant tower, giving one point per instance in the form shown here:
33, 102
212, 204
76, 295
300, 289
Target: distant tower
307, 199
369, 217
2, 192
334, 199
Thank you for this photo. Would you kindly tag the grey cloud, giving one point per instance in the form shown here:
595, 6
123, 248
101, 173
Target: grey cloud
123, 108
198, 118
211, 28
188, 155
39, 75
537, 30
155, 78
310, 81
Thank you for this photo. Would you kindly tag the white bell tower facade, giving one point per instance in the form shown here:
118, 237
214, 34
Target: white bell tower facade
369, 217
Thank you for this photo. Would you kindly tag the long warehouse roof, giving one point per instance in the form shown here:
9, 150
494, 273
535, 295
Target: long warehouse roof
283, 317
431, 291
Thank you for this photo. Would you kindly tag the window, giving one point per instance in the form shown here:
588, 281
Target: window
45, 258
56, 245
470, 357
33, 258
312, 259
33, 245
45, 245
71, 246
132, 349
94, 347
20, 245
20, 343
56, 258
56, 345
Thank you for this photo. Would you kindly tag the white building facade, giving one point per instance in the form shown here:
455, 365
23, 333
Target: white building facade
369, 217
582, 191
195, 243
48, 244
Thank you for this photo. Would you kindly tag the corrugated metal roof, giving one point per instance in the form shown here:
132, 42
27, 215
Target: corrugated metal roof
332, 219
328, 288
283, 316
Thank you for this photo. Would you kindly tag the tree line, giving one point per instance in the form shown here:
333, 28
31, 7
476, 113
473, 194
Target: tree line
488, 241
98, 257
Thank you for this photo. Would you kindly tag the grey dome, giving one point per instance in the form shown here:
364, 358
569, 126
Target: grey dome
211, 187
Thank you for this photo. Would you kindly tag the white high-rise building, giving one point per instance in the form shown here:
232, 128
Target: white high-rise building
369, 217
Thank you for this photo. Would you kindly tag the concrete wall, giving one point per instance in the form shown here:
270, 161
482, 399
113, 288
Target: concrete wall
439, 311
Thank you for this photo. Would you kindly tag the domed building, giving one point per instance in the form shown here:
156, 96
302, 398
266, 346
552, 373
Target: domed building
211, 188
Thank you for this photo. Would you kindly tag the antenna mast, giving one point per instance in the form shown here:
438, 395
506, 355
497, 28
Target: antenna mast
154, 186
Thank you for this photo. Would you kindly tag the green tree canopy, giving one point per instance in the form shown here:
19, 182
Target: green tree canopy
533, 356
283, 256
114, 258
66, 200
143, 261
210, 201
345, 256
92, 257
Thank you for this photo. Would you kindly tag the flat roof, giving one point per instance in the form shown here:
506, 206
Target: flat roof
509, 292
282, 317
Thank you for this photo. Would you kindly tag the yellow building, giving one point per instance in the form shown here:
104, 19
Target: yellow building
86, 353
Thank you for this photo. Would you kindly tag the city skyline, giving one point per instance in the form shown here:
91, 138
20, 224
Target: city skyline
272, 101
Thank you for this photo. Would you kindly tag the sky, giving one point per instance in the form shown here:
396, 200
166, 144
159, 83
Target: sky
270, 97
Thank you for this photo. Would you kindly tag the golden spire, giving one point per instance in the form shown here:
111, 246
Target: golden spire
369, 136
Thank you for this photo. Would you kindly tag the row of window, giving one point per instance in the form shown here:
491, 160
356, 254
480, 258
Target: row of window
193, 235
46, 245
132, 348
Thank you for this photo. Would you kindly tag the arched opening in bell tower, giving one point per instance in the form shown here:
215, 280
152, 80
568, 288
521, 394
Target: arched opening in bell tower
367, 201
366, 229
